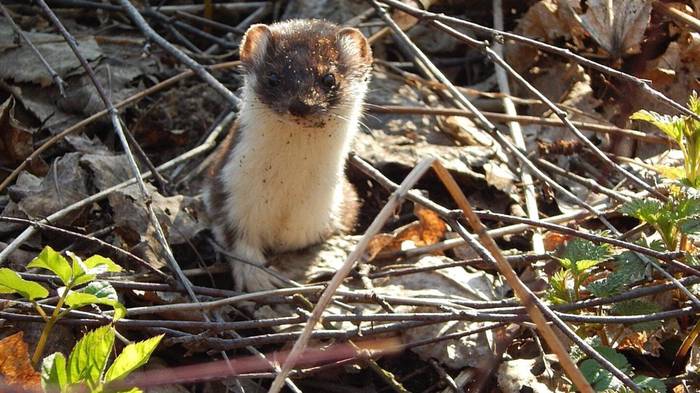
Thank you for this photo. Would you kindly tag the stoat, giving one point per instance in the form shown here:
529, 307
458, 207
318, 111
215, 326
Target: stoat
277, 182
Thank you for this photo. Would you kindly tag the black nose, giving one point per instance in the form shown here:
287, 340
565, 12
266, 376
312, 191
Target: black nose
298, 108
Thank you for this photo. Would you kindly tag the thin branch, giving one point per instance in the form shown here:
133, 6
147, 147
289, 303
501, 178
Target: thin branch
54, 75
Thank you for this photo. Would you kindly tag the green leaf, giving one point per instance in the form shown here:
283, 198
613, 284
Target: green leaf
88, 359
53, 373
86, 271
628, 265
98, 264
650, 384
11, 282
609, 286
670, 125
579, 249
586, 264
638, 307
51, 260
81, 299
646, 210
132, 357
600, 378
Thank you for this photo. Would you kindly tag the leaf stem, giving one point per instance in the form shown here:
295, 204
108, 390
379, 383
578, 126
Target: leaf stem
55, 316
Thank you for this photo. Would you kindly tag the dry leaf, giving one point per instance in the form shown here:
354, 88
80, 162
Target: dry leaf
15, 139
616, 25
429, 229
15, 367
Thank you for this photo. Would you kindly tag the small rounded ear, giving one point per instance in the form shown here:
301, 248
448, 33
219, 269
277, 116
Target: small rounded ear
254, 43
357, 42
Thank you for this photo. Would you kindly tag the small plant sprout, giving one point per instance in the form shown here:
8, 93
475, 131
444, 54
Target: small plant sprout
86, 366
685, 131
80, 288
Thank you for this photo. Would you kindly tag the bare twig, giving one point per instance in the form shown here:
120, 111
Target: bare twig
387, 210
57, 80
499, 34
535, 307
85, 122
516, 133
183, 58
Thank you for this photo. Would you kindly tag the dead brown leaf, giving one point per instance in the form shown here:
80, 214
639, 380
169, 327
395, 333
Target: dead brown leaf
429, 229
617, 26
15, 139
15, 367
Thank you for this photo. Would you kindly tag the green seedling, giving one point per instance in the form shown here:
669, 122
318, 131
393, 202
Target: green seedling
86, 366
80, 288
685, 131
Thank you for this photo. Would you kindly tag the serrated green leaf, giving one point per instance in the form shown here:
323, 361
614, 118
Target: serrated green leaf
53, 261
87, 270
628, 265
132, 357
54, 377
669, 125
650, 384
646, 210
11, 282
586, 264
560, 292
88, 359
638, 307
579, 249
609, 286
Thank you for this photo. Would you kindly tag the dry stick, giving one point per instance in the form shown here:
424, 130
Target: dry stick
522, 119
93, 239
500, 35
117, 124
677, 15
85, 122
534, 306
589, 183
516, 133
233, 6
183, 58
388, 209
461, 101
54, 75
555, 109
207, 145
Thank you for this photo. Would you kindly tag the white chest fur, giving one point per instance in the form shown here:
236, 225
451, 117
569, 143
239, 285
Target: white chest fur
283, 180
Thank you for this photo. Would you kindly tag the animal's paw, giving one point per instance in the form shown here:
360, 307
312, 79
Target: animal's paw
249, 278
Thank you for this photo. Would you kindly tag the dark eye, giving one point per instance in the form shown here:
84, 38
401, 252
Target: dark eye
273, 80
328, 81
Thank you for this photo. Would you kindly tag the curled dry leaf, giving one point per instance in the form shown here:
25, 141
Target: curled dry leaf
429, 229
15, 139
15, 367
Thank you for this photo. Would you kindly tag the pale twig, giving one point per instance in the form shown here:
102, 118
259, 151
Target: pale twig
377, 224
500, 35
57, 80
183, 58
85, 122
516, 133
537, 310
505, 118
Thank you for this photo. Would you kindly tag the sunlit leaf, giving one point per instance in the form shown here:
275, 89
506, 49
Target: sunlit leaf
132, 357
54, 376
11, 282
88, 359
50, 259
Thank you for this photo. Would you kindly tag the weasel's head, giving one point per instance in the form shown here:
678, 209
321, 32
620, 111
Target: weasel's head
306, 71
